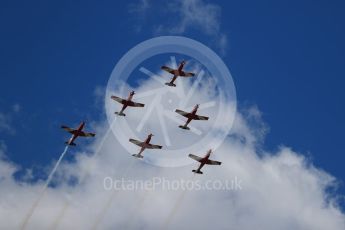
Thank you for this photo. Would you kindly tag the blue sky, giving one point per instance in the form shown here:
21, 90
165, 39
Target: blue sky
285, 57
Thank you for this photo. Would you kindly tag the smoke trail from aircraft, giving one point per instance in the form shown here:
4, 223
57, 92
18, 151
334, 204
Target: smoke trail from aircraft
60, 216
43, 191
138, 207
105, 209
83, 176
176, 207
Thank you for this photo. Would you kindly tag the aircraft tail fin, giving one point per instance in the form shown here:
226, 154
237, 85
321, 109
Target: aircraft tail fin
197, 171
120, 114
170, 84
138, 155
184, 127
71, 144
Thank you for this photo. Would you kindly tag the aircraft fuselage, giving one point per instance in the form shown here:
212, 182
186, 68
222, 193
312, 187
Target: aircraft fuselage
179, 70
76, 133
204, 160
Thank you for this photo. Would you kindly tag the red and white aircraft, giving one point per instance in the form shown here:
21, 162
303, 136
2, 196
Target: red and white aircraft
76, 133
191, 116
177, 73
204, 160
126, 103
144, 145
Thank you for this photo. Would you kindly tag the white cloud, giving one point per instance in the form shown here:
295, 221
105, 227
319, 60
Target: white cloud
195, 14
280, 190
139, 7
188, 15
6, 119
5, 123
16, 107
6, 168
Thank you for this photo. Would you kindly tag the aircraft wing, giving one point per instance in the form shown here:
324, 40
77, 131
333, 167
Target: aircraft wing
183, 113
136, 142
154, 146
118, 99
135, 104
195, 157
68, 129
85, 134
201, 118
187, 74
211, 162
167, 69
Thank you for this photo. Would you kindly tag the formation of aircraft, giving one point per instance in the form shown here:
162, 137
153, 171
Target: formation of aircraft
191, 116
126, 103
203, 160
177, 73
78, 132
144, 145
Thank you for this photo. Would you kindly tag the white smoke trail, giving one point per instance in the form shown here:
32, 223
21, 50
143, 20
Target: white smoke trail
176, 207
60, 216
137, 208
110, 200
43, 191
82, 178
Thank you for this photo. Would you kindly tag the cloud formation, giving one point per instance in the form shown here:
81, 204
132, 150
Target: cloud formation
189, 15
280, 190
6, 125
